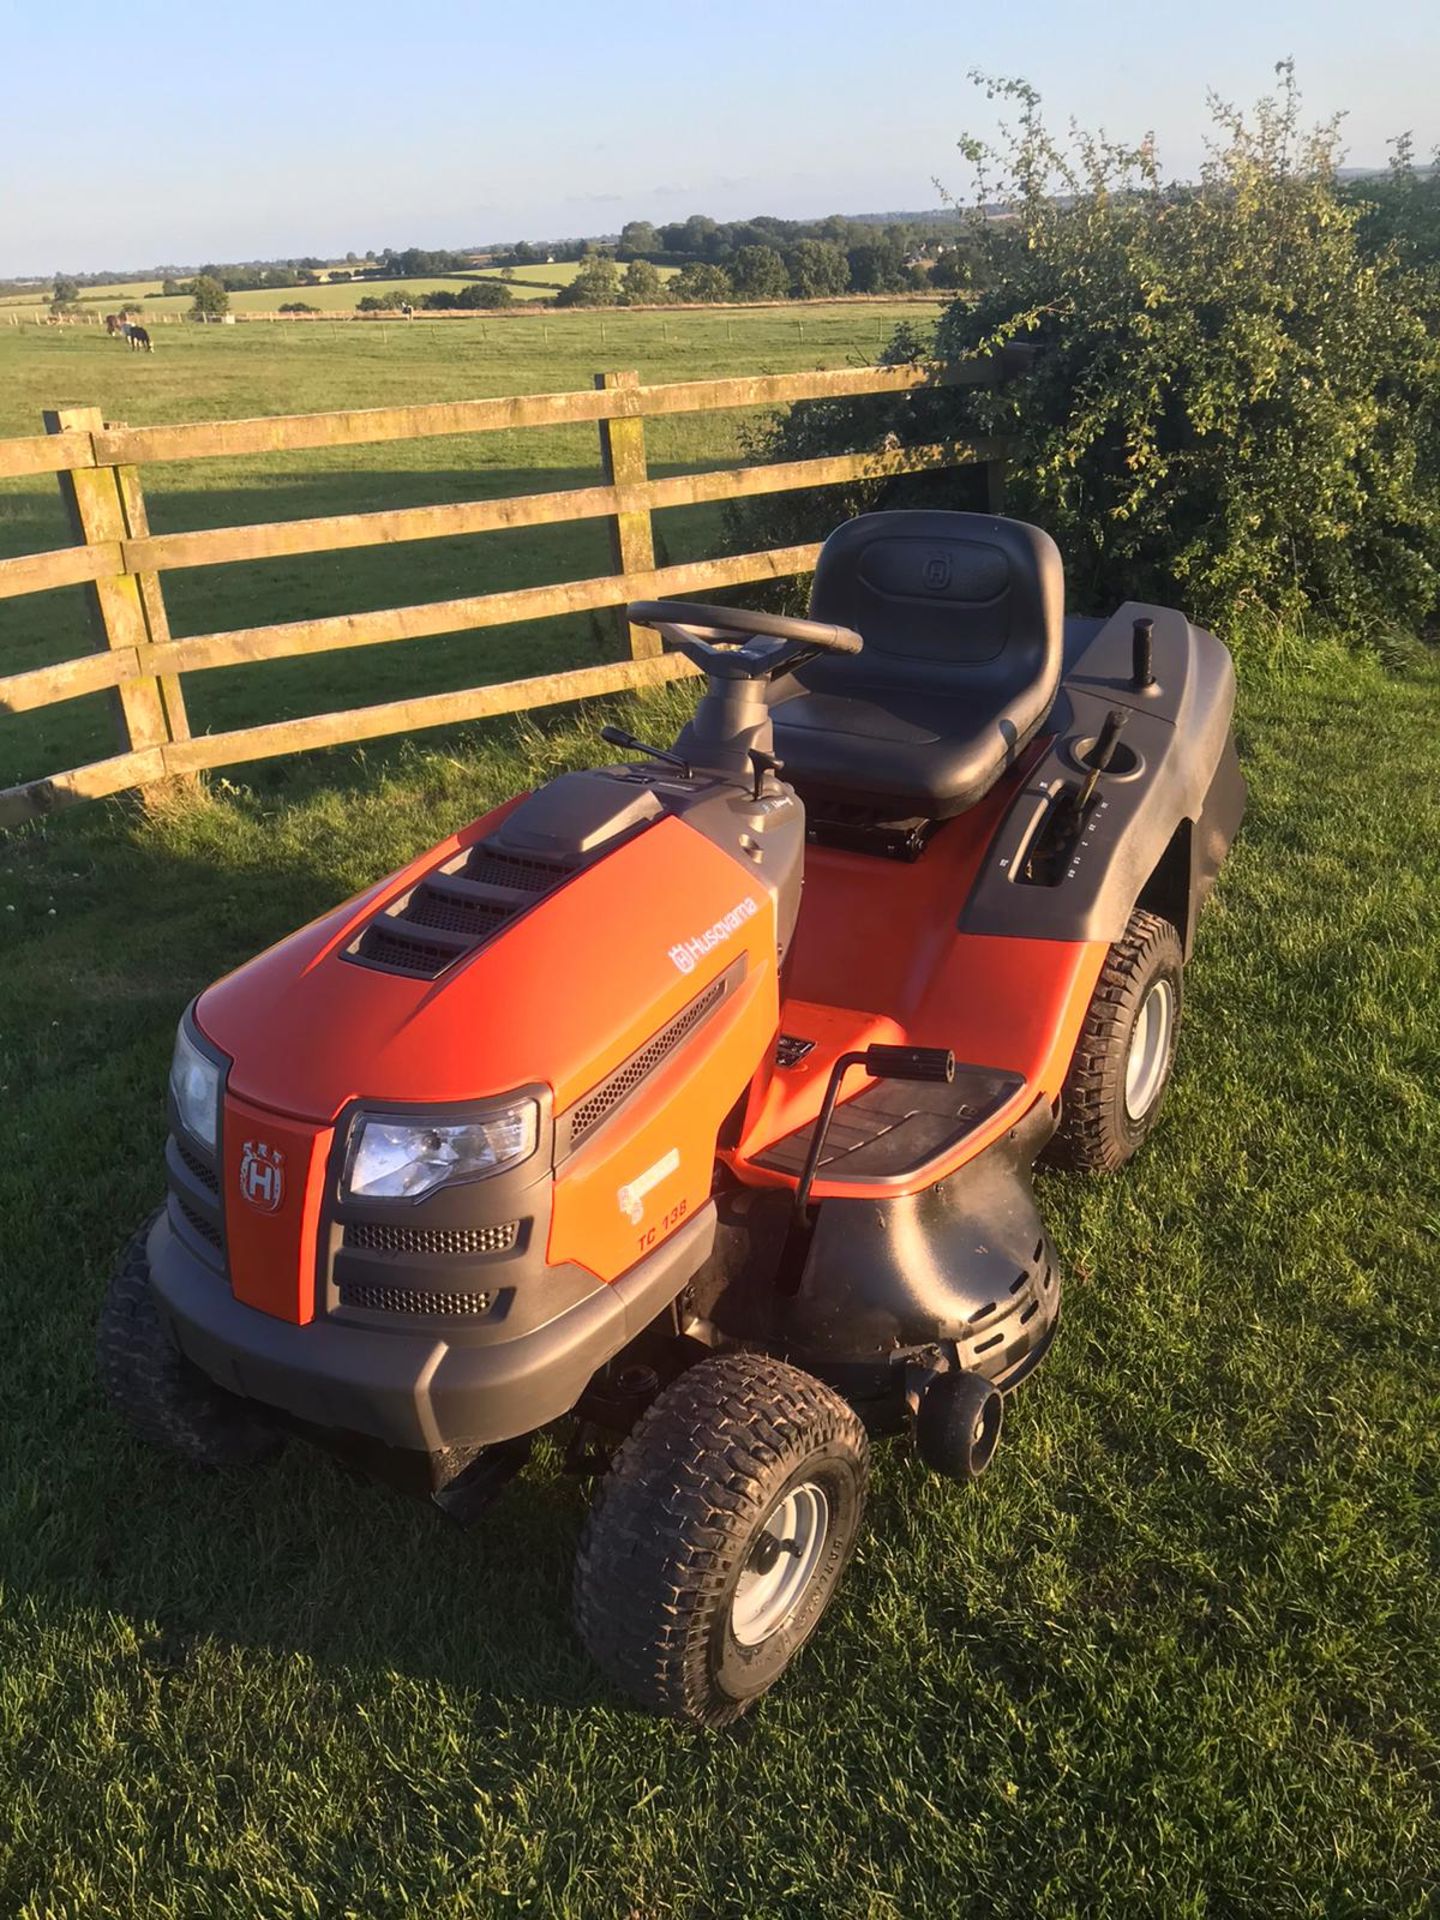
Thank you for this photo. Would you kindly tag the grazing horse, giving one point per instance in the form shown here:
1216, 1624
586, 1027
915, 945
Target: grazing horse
139, 339
114, 323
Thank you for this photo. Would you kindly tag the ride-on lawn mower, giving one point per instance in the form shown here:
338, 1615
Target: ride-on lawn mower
696, 1098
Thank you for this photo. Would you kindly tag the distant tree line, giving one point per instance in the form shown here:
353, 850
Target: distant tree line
759, 259
475, 294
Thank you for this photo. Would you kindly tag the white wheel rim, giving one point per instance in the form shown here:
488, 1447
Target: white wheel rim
774, 1582
1149, 1057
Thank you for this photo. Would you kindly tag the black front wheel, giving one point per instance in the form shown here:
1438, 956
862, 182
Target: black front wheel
151, 1384
719, 1536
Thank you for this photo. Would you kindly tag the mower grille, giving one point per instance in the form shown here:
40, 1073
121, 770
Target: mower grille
423, 1240
411, 1300
623, 1082
204, 1173
386, 949
429, 907
455, 910
197, 1223
493, 869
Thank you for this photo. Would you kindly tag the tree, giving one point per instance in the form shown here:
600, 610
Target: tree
596, 285
758, 273
699, 281
954, 268
642, 285
209, 300
298, 306
818, 270
173, 287
1230, 404
484, 294
876, 266
638, 237
67, 291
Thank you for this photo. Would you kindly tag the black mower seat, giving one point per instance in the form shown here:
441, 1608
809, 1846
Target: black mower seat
962, 616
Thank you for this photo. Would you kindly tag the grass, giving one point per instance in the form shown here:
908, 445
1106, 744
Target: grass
1177, 1656
202, 373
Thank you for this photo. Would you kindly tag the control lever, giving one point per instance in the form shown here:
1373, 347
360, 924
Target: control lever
1098, 760
1060, 830
618, 737
881, 1063
1143, 641
763, 763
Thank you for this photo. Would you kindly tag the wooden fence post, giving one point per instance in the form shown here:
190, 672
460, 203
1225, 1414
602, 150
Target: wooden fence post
152, 601
95, 504
632, 538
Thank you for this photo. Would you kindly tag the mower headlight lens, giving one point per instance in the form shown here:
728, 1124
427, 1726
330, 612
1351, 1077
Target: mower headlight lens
394, 1160
195, 1089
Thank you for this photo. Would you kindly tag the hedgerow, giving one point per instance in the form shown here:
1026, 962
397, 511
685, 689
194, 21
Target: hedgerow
1231, 398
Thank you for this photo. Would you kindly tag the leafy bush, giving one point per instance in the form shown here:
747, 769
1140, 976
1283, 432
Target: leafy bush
596, 285
701, 282
1230, 400
642, 285
759, 273
818, 269
209, 300
297, 306
486, 294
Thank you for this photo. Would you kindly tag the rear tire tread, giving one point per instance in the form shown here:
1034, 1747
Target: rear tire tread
1088, 1139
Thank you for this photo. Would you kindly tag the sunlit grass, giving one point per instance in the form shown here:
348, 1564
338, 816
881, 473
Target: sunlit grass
1177, 1656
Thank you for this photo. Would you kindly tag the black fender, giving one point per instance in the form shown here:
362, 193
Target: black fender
965, 1265
1163, 818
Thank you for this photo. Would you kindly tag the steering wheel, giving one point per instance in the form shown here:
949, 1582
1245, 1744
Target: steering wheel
735, 644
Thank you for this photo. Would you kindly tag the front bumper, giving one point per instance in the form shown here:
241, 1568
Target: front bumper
408, 1387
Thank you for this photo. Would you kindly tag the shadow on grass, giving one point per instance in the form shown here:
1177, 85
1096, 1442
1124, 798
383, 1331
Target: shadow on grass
104, 937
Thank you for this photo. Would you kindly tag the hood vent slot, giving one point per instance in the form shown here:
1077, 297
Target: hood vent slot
456, 910
588, 1113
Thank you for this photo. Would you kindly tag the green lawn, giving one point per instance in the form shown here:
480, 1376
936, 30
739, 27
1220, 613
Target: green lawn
1176, 1657
201, 373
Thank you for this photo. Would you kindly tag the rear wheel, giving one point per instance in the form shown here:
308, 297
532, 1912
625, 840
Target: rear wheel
1126, 1050
719, 1535
153, 1386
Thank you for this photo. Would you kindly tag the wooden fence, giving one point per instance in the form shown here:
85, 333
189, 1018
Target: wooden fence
120, 562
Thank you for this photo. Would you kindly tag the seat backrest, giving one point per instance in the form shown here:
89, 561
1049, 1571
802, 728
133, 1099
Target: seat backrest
947, 602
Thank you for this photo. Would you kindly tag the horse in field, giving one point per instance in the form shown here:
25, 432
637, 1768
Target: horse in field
140, 341
114, 324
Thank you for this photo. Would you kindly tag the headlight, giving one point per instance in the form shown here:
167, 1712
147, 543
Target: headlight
195, 1089
394, 1159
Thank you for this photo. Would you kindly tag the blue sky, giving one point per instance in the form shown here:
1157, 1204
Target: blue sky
138, 131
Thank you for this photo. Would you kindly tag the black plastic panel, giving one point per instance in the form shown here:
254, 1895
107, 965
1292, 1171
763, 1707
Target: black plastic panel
1176, 739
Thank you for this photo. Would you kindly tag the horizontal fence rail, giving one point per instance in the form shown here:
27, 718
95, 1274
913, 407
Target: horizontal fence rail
120, 562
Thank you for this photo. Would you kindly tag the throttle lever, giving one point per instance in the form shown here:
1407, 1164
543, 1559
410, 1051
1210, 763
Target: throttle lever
618, 737
763, 763
1099, 757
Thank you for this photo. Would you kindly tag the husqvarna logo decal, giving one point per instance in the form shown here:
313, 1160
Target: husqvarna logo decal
262, 1175
936, 573
685, 953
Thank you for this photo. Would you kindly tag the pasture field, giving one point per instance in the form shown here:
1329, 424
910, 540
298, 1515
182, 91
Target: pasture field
533, 283
1175, 1657
197, 373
